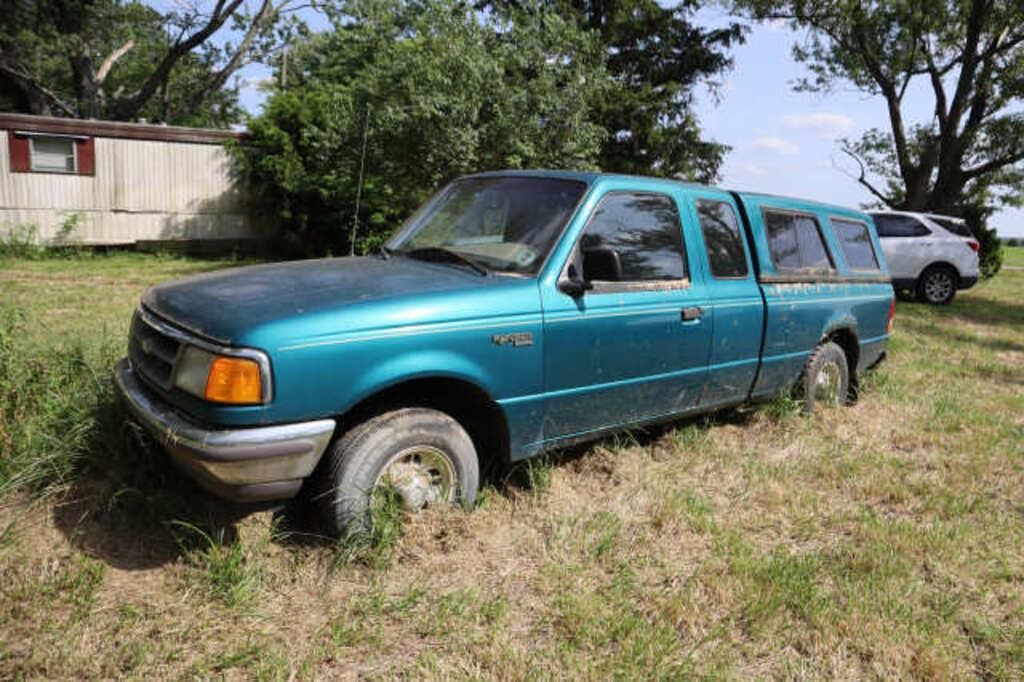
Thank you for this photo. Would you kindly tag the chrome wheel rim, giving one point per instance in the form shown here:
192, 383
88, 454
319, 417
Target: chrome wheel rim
421, 475
938, 286
827, 383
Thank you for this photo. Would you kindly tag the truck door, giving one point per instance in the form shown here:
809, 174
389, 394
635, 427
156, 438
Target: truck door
635, 346
736, 308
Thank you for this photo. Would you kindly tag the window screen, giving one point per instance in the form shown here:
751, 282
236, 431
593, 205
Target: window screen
855, 241
53, 154
899, 226
722, 239
795, 242
644, 230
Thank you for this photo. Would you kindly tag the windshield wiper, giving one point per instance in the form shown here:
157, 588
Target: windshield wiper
385, 252
439, 254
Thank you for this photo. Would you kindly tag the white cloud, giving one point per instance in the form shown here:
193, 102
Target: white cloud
749, 168
825, 124
776, 144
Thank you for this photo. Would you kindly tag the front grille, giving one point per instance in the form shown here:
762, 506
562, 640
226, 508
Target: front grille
152, 352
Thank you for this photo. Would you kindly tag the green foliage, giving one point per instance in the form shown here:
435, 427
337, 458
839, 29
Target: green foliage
656, 55
21, 241
434, 90
124, 60
437, 89
966, 53
990, 257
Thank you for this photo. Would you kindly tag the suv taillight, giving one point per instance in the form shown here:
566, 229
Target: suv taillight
892, 315
975, 246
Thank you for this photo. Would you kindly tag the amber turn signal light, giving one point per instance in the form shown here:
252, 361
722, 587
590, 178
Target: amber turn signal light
234, 380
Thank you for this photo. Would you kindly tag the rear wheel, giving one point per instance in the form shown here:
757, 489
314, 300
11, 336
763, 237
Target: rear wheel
937, 285
424, 456
826, 378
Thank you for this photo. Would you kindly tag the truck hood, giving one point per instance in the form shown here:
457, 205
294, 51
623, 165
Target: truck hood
224, 305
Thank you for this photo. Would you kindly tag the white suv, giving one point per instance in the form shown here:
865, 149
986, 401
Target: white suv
929, 255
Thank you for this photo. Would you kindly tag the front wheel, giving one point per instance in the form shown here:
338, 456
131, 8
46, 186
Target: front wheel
937, 285
424, 456
826, 378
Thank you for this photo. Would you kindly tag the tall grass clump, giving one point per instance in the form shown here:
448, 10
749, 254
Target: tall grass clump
56, 405
371, 541
228, 572
24, 242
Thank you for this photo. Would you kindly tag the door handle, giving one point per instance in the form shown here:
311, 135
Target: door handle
691, 314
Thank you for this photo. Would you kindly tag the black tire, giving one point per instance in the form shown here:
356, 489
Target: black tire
414, 439
937, 285
826, 378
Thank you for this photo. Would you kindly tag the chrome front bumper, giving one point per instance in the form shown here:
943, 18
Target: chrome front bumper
244, 464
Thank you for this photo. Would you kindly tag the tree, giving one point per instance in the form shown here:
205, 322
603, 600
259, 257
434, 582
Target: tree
400, 97
967, 53
656, 57
120, 60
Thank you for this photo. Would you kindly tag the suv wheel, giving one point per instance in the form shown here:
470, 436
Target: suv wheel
423, 455
937, 285
826, 379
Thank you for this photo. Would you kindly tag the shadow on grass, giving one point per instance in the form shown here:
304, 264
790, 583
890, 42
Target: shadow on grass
129, 507
943, 322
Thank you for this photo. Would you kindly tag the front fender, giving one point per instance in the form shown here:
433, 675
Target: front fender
420, 364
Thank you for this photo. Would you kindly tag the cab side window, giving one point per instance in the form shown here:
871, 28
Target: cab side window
795, 241
890, 226
722, 239
633, 237
855, 242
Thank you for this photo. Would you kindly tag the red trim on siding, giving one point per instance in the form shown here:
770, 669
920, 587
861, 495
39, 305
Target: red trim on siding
18, 148
86, 151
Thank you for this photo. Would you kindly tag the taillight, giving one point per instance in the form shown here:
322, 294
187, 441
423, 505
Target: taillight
892, 315
975, 246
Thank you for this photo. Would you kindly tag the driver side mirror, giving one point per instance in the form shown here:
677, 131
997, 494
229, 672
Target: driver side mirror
574, 285
602, 264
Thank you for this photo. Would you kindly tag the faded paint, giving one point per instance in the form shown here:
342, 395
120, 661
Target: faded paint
141, 190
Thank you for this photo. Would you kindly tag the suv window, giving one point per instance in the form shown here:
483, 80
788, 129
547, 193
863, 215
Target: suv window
795, 241
643, 230
722, 239
899, 226
954, 226
855, 241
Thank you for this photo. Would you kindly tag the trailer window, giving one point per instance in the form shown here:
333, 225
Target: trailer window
795, 241
722, 239
53, 154
855, 241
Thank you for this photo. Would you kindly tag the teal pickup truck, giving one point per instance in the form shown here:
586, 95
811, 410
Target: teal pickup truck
514, 313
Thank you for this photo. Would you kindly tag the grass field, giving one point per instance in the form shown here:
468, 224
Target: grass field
884, 540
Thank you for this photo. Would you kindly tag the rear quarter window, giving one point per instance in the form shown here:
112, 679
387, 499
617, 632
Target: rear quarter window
795, 241
855, 243
954, 226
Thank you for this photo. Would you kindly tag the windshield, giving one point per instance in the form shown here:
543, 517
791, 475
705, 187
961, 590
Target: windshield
504, 224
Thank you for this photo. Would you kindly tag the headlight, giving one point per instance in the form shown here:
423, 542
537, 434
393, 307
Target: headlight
219, 378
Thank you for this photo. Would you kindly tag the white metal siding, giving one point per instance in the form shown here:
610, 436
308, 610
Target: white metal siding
142, 190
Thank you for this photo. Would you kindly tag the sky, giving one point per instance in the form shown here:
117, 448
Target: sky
782, 142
